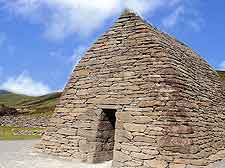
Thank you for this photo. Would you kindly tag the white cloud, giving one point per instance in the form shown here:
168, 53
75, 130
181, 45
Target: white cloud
172, 19
65, 17
24, 84
222, 66
62, 18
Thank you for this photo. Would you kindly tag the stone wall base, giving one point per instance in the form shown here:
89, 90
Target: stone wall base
214, 161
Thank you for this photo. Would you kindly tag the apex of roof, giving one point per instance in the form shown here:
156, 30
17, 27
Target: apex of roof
128, 12
130, 15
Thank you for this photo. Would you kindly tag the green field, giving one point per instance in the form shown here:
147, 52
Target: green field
6, 133
41, 105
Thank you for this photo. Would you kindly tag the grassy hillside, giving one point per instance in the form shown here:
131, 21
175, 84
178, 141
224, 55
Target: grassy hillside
31, 105
222, 74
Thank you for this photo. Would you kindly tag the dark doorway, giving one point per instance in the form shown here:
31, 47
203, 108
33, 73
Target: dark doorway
110, 115
105, 135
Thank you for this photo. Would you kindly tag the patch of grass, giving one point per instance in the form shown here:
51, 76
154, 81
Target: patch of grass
46, 100
17, 100
6, 133
222, 74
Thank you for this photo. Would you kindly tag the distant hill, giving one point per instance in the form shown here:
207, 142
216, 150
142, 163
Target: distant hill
4, 92
29, 104
222, 74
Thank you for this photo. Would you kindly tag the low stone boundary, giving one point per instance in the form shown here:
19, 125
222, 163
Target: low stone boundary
24, 121
214, 161
28, 132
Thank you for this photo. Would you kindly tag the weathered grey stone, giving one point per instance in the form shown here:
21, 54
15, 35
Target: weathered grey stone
87, 147
129, 147
67, 131
121, 134
135, 127
133, 163
156, 163
142, 120
121, 157
141, 156
178, 166
145, 139
150, 103
150, 151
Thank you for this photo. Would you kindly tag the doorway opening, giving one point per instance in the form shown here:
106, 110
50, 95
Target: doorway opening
105, 135
110, 115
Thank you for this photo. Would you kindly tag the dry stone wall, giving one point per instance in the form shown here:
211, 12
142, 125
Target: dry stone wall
169, 103
24, 121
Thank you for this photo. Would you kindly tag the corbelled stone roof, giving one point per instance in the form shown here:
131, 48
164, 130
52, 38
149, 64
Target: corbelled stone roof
170, 103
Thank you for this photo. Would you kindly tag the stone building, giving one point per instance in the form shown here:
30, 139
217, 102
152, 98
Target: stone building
142, 99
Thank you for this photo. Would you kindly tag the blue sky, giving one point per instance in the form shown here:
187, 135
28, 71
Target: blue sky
42, 40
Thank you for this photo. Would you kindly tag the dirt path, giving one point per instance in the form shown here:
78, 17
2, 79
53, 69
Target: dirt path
18, 154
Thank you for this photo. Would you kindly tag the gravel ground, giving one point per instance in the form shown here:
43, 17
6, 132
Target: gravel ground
18, 154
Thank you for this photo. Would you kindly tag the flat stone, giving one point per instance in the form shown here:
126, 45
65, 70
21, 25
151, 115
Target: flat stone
144, 139
130, 148
84, 72
150, 152
68, 131
177, 166
135, 127
123, 133
156, 163
121, 157
141, 156
150, 103
133, 163
142, 120
86, 147
180, 129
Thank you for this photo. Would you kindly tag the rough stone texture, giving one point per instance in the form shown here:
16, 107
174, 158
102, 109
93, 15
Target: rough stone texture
170, 103
24, 121
27, 132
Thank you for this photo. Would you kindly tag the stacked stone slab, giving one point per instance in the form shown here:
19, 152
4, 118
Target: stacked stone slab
170, 104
